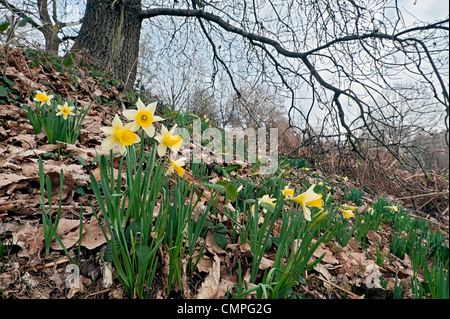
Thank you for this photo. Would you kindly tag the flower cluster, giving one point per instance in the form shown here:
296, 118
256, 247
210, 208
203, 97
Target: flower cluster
306, 200
120, 135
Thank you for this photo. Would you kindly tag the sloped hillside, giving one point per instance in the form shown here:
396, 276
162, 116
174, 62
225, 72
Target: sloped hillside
216, 230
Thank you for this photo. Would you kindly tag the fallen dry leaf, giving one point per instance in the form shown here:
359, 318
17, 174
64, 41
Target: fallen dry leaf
328, 258
374, 238
69, 233
209, 288
93, 236
7, 179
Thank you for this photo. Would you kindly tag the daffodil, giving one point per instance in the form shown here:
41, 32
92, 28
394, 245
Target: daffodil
43, 97
119, 135
176, 165
167, 140
308, 198
288, 192
345, 179
265, 199
394, 208
65, 110
320, 183
347, 213
143, 117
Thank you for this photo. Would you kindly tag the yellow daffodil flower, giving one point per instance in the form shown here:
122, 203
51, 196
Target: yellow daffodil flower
308, 198
119, 135
394, 208
288, 192
143, 117
43, 97
348, 213
65, 110
265, 199
177, 166
345, 179
320, 183
167, 140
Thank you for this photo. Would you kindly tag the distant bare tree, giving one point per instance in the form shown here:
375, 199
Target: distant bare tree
45, 17
333, 58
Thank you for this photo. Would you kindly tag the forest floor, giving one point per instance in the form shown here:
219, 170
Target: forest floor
350, 271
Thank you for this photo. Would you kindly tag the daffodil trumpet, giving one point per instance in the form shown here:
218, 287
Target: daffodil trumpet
176, 165
167, 140
119, 135
308, 199
143, 117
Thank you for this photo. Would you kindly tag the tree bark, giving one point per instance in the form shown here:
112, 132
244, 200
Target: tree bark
110, 33
52, 41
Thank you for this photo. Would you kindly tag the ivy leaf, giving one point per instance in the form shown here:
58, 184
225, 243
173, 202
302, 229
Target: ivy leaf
217, 187
233, 167
3, 91
4, 26
68, 61
230, 189
24, 21
221, 229
221, 240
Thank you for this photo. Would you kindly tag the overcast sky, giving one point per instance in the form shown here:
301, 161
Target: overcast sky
424, 10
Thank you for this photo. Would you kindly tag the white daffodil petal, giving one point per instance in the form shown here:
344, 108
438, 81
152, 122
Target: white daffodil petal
108, 143
140, 105
307, 212
122, 148
161, 149
150, 130
117, 122
172, 130
158, 138
130, 114
164, 130
131, 126
152, 107
107, 130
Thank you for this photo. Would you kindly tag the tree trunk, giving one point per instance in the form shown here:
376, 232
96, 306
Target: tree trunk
52, 41
110, 33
